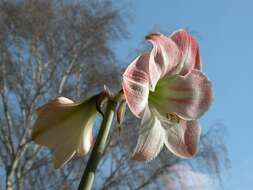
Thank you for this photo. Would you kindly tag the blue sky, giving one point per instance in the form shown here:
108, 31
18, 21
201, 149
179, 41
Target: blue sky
224, 29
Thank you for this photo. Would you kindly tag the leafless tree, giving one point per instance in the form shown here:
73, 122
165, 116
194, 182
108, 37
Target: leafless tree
51, 48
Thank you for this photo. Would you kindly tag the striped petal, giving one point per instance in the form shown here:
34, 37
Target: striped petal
182, 139
151, 138
164, 57
188, 96
136, 85
190, 51
65, 127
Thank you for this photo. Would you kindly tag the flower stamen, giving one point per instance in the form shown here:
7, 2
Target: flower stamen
173, 117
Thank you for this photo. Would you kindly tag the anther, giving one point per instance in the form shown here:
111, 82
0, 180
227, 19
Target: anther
173, 117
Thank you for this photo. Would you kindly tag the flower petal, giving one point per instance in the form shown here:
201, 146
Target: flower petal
164, 57
62, 125
60, 102
151, 138
86, 139
136, 84
188, 96
63, 153
190, 51
50, 115
182, 139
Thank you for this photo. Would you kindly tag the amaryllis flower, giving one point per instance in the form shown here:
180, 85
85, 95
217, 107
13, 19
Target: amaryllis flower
168, 91
66, 127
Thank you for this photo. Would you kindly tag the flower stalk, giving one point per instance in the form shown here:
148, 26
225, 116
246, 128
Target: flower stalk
99, 147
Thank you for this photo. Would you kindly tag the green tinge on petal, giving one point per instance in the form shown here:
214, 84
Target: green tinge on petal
187, 96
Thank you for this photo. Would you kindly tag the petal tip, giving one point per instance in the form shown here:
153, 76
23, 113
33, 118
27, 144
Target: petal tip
151, 35
144, 156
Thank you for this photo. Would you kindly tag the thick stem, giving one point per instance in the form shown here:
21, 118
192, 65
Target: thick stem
99, 147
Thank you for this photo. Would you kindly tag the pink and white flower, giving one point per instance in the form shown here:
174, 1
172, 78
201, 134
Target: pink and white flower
168, 91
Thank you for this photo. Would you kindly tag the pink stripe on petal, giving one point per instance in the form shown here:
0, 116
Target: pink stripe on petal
138, 70
183, 138
190, 50
164, 57
180, 88
198, 63
136, 84
188, 96
193, 103
181, 100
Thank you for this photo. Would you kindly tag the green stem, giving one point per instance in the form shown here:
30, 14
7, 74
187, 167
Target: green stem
99, 147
